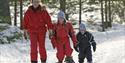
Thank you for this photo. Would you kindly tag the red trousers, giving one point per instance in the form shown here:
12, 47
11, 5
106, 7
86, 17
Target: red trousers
64, 49
37, 40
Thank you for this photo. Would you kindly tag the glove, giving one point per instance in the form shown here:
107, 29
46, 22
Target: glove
25, 34
94, 46
51, 33
76, 48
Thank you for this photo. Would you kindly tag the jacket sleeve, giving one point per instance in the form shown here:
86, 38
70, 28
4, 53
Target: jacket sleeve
91, 38
47, 19
25, 21
72, 34
92, 41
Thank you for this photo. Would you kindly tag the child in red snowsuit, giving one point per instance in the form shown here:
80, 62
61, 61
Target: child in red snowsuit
35, 20
62, 31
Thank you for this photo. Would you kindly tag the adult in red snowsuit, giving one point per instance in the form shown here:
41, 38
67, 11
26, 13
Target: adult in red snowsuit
63, 30
36, 21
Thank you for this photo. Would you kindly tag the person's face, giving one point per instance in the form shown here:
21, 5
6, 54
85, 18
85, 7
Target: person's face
61, 20
82, 31
35, 3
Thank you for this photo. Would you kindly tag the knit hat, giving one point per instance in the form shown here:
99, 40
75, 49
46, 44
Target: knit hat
61, 14
82, 27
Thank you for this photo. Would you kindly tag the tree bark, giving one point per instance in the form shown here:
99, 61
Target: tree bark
102, 15
106, 20
21, 13
110, 20
63, 5
15, 13
80, 6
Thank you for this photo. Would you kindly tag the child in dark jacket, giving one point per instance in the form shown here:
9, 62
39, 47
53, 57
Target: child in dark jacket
85, 40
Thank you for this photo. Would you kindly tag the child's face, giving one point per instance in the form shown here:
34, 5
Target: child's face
35, 3
61, 20
82, 31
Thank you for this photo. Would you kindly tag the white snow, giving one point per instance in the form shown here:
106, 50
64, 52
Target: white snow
110, 44
110, 49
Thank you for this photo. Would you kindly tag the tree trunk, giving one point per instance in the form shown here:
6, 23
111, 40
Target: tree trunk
80, 6
62, 5
110, 20
124, 10
102, 15
5, 12
21, 13
106, 20
15, 13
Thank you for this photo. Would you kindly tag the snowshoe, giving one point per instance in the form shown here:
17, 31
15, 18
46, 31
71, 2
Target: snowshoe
33, 61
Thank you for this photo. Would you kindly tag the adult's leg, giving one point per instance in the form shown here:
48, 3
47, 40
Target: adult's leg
42, 50
33, 46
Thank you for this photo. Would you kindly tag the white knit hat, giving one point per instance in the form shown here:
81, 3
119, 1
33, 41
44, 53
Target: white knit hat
82, 27
61, 14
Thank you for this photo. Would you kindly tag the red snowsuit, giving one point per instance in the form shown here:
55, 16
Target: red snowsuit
35, 21
61, 40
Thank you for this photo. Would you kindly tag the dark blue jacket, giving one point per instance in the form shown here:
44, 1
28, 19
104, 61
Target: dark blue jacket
85, 40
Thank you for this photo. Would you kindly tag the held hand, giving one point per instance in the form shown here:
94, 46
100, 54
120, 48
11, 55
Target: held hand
76, 47
25, 34
51, 33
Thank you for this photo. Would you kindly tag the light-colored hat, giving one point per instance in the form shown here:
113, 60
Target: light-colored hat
61, 14
82, 27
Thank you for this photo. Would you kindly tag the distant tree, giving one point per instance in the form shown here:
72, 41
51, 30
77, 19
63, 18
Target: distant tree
15, 12
102, 16
5, 12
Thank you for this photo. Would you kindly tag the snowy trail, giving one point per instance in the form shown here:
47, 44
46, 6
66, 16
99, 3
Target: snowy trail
111, 50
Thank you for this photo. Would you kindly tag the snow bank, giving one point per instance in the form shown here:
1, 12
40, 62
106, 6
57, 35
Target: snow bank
9, 34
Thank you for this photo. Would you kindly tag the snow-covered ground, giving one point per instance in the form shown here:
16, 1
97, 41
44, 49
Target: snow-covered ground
110, 49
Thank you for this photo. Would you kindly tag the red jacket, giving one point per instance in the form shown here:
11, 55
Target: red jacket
36, 19
62, 32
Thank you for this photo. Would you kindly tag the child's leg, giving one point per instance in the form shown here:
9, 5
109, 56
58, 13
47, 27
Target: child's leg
81, 55
42, 50
68, 49
33, 46
68, 52
60, 52
89, 54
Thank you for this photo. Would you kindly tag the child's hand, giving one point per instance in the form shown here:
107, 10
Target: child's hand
25, 34
76, 47
51, 33
94, 46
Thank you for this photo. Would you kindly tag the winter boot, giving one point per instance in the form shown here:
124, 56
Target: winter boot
89, 62
81, 60
33, 61
43, 61
69, 60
